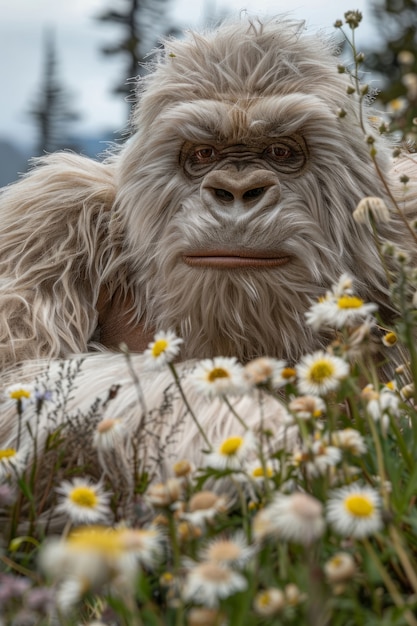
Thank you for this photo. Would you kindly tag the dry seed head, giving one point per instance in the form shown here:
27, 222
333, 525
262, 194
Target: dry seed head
353, 18
405, 57
340, 567
199, 616
182, 468
371, 207
164, 494
203, 500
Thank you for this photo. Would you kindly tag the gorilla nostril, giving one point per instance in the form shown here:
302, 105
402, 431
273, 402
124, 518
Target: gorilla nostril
253, 193
224, 195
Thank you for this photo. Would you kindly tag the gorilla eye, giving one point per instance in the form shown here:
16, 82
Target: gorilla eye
280, 152
205, 154
288, 155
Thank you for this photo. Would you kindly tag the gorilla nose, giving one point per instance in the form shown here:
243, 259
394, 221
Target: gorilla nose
226, 188
239, 194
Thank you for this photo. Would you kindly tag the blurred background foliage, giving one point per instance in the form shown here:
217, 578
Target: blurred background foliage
394, 62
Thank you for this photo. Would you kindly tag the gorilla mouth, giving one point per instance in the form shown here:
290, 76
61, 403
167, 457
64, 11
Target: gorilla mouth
226, 259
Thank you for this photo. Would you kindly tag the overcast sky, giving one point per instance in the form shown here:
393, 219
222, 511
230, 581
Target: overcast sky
89, 75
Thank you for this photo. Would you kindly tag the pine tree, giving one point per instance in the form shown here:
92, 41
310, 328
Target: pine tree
53, 111
143, 22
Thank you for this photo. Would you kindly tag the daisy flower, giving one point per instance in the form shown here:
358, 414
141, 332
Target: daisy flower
307, 407
164, 494
19, 392
12, 462
349, 439
163, 349
340, 567
93, 556
389, 339
233, 552
316, 459
258, 473
269, 602
319, 373
83, 501
265, 371
293, 595
231, 453
345, 310
209, 582
109, 434
354, 511
298, 517
386, 401
263, 524
220, 376
204, 506
339, 307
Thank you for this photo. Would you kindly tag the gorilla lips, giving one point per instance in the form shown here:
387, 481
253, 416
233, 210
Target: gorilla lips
224, 259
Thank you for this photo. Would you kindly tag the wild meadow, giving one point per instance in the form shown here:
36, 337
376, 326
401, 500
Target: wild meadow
321, 530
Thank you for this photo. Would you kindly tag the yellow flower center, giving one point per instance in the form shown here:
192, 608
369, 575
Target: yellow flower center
217, 372
231, 445
7, 453
359, 505
390, 338
18, 394
166, 578
288, 372
159, 347
83, 496
321, 370
349, 302
96, 538
258, 472
264, 598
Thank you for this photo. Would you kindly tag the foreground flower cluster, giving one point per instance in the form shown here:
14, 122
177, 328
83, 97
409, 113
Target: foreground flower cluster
318, 528
319, 531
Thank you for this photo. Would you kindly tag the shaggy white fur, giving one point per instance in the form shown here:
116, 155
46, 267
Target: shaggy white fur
227, 212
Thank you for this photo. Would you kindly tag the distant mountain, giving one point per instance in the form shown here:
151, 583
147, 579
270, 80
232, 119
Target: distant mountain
14, 159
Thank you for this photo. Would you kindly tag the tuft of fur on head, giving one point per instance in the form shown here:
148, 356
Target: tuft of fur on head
236, 85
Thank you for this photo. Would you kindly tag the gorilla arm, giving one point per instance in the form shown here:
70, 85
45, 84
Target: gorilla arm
117, 324
58, 246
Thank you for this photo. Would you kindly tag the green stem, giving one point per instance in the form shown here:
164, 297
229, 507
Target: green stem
389, 583
185, 400
408, 566
236, 415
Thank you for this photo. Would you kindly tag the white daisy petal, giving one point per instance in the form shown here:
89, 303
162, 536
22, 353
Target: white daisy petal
354, 511
231, 453
209, 582
297, 517
220, 376
319, 373
83, 501
163, 349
